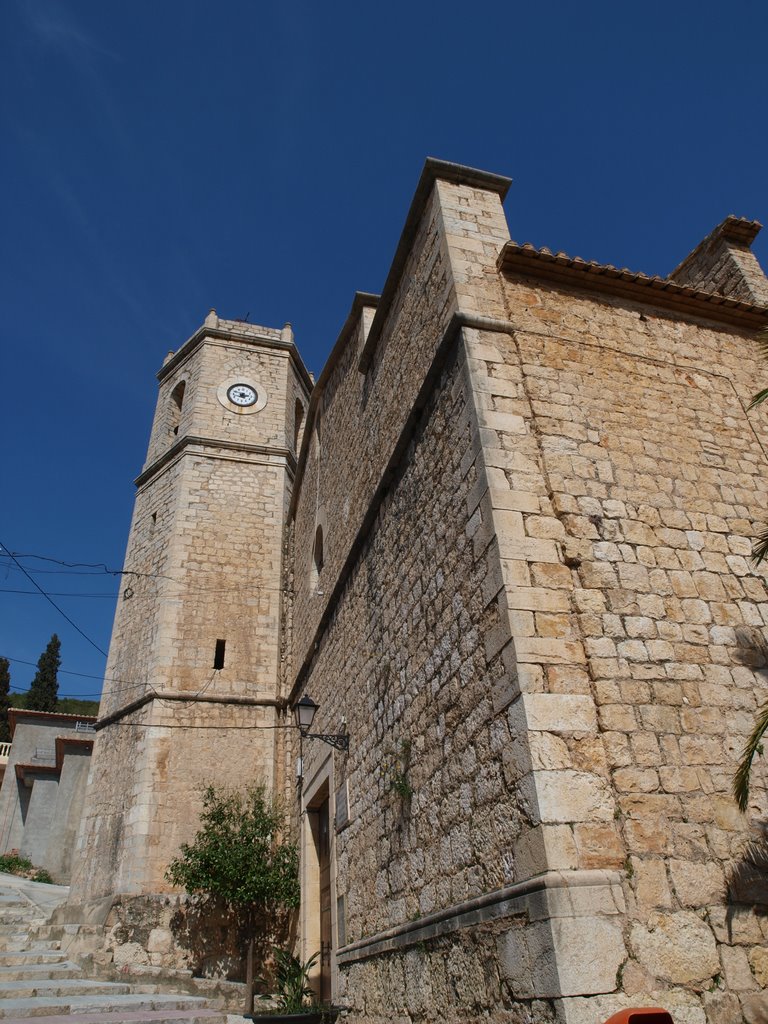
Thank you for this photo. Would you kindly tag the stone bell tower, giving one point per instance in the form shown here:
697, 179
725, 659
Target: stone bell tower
192, 687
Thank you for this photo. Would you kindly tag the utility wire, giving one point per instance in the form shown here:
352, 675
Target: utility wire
83, 675
256, 586
54, 593
219, 728
52, 602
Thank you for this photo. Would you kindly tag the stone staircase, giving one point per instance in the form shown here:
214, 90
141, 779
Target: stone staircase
39, 984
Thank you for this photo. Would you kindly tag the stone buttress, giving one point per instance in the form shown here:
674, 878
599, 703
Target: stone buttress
535, 484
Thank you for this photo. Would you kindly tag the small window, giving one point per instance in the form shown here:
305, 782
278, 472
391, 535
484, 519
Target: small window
318, 552
317, 559
218, 655
177, 400
298, 419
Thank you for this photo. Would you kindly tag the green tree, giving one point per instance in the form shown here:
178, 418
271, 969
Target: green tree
43, 693
241, 858
5, 699
754, 744
760, 547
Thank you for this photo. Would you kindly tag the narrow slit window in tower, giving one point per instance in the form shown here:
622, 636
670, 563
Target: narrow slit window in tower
218, 655
298, 419
317, 560
177, 400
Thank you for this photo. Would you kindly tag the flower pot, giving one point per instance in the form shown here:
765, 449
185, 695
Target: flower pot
312, 1015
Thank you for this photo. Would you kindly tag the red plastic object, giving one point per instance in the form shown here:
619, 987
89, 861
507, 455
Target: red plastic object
642, 1015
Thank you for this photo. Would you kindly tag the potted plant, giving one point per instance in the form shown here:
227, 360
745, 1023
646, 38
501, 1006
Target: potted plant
240, 858
293, 999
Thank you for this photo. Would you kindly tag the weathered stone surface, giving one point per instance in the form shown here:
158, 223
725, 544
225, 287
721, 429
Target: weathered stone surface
758, 959
549, 960
697, 884
684, 1007
755, 1008
512, 558
677, 948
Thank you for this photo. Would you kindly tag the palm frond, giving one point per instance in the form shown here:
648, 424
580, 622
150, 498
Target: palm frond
760, 546
752, 746
758, 399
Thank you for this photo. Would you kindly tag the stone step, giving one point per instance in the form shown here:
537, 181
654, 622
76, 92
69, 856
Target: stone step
22, 944
62, 988
99, 1005
63, 970
150, 1016
13, 958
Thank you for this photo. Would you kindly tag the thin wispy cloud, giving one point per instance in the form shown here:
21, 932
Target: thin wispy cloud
55, 27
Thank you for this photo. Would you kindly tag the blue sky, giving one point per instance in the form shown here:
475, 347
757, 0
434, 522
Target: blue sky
163, 157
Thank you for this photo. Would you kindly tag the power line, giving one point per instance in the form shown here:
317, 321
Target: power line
68, 672
54, 593
125, 684
219, 728
103, 570
53, 603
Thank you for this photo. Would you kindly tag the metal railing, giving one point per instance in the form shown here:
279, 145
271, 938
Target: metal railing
84, 727
5, 749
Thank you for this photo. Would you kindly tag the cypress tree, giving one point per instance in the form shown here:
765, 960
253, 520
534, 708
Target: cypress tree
43, 693
5, 701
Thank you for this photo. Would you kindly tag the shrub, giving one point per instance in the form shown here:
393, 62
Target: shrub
13, 864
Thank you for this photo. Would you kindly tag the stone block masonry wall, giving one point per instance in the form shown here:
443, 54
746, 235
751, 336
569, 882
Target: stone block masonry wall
197, 628
145, 791
433, 811
655, 480
587, 530
418, 653
454, 234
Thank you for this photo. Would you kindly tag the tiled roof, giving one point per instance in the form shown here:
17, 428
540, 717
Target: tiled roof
575, 272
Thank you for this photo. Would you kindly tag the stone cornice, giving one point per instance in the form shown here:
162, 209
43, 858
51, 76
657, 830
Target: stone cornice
212, 442
559, 269
505, 902
434, 170
183, 697
361, 301
241, 337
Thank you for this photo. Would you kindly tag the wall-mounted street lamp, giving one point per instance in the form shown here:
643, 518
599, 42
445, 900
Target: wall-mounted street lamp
304, 712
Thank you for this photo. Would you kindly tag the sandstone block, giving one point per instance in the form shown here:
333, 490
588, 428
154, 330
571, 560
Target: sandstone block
160, 941
598, 845
755, 1008
130, 953
549, 650
551, 959
738, 976
758, 961
696, 884
553, 712
684, 1007
545, 848
678, 948
651, 885
566, 796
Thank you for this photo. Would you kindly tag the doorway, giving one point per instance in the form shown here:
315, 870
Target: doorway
319, 928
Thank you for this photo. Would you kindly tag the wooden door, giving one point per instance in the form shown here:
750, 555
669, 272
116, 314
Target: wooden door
324, 864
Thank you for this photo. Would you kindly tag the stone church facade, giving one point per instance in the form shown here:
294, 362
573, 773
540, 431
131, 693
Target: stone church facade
504, 543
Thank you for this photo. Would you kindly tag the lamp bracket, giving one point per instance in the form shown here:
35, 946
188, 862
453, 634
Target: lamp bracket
339, 741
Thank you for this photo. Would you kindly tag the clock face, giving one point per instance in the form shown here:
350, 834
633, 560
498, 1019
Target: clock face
242, 395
